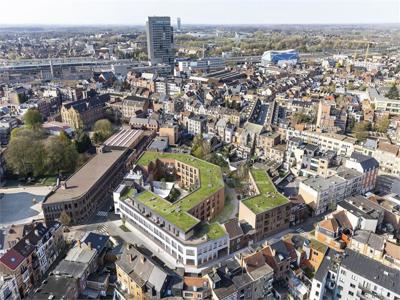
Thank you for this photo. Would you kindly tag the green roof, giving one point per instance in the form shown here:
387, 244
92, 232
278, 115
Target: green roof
213, 231
317, 245
176, 213
268, 198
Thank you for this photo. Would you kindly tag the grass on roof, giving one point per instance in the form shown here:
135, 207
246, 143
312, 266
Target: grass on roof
268, 198
213, 231
317, 245
211, 181
171, 213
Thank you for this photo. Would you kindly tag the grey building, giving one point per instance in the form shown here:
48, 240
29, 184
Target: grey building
160, 40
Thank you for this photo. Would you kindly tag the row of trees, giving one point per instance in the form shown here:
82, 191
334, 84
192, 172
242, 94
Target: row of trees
30, 152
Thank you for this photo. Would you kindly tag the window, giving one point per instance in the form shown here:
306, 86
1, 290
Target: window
316, 293
351, 293
352, 285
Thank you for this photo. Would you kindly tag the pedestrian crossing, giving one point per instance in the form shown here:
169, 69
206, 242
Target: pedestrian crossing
102, 213
102, 228
300, 230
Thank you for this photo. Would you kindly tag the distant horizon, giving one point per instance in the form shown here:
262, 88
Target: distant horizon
27, 25
206, 12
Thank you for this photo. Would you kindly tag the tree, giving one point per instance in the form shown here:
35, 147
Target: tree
361, 130
27, 132
103, 126
33, 118
393, 92
300, 117
201, 148
102, 130
242, 171
61, 156
65, 218
25, 156
82, 142
382, 124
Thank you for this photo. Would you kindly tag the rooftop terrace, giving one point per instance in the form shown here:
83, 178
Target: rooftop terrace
268, 198
176, 213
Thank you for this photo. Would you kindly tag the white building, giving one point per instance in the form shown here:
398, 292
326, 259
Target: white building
187, 248
8, 288
360, 277
341, 144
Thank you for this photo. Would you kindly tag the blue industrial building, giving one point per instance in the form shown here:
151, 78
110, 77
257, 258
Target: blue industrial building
280, 57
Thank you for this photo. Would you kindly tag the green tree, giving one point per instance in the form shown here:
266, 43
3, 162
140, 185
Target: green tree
27, 132
361, 129
200, 147
33, 118
102, 130
61, 156
382, 124
82, 142
25, 156
393, 92
301, 118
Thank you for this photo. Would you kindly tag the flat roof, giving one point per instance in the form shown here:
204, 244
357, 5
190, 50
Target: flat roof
320, 183
124, 138
268, 198
176, 213
82, 180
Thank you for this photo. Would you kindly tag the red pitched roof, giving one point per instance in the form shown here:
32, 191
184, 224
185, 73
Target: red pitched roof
12, 259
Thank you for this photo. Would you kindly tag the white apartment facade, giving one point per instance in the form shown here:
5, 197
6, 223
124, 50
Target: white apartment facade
341, 144
181, 246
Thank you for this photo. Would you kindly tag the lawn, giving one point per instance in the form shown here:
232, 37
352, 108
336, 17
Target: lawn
40, 181
213, 231
268, 198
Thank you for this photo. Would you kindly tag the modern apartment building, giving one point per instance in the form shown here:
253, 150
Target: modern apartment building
160, 40
180, 226
268, 211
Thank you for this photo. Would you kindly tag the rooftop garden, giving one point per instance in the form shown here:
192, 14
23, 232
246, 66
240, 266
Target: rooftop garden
177, 213
268, 198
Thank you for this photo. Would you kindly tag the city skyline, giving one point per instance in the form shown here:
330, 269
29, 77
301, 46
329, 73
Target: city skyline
252, 12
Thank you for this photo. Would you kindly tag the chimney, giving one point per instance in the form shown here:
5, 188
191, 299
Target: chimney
79, 243
90, 246
143, 259
64, 185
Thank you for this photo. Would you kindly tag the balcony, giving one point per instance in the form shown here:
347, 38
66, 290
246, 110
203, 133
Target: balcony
366, 293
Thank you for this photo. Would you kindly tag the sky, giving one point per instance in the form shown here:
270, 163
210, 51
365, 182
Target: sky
135, 12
